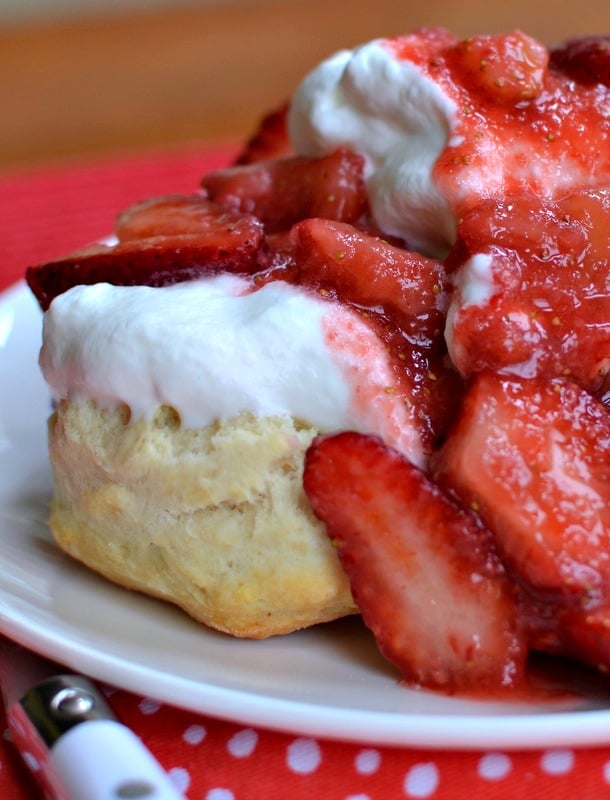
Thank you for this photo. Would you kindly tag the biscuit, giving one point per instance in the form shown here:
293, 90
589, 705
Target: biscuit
212, 519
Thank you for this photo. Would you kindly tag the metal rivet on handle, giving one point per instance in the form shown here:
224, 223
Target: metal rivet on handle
72, 703
134, 789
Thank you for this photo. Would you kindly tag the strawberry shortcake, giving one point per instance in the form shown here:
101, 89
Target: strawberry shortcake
364, 367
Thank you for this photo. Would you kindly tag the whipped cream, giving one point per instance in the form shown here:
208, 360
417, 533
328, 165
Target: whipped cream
399, 120
213, 348
474, 282
473, 285
433, 148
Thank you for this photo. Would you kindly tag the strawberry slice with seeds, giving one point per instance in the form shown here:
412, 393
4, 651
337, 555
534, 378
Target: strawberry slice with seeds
173, 215
533, 458
531, 289
506, 68
424, 572
270, 141
160, 241
402, 293
283, 191
367, 271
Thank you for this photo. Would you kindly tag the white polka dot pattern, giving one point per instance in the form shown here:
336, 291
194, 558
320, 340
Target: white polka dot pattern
309, 763
180, 778
303, 756
242, 743
306, 757
32, 762
422, 780
194, 734
367, 761
557, 762
494, 766
148, 706
220, 794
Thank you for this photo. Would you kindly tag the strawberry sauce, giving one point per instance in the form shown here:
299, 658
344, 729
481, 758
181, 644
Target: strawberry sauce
520, 126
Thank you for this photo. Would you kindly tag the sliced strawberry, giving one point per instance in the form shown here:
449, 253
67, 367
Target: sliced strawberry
523, 224
586, 59
533, 458
403, 294
423, 572
367, 271
506, 68
270, 141
283, 191
532, 286
276, 259
161, 241
173, 215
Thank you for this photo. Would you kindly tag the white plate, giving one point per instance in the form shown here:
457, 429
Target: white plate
327, 682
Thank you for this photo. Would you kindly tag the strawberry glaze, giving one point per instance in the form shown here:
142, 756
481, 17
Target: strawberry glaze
520, 126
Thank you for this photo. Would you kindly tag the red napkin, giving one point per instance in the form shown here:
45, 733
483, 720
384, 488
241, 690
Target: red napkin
45, 213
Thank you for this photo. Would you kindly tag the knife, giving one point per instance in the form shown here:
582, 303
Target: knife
69, 737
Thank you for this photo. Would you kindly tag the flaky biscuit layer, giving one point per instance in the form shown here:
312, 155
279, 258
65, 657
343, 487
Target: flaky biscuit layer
213, 519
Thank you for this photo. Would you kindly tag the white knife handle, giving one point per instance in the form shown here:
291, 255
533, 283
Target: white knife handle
104, 760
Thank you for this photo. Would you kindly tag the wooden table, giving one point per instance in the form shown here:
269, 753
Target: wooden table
204, 72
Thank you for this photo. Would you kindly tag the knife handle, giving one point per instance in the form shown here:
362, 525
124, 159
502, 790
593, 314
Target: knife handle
104, 760
77, 749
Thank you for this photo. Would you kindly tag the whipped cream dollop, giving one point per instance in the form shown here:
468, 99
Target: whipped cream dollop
213, 348
474, 285
399, 120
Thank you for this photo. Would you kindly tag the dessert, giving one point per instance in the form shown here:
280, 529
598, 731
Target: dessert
184, 410
364, 368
